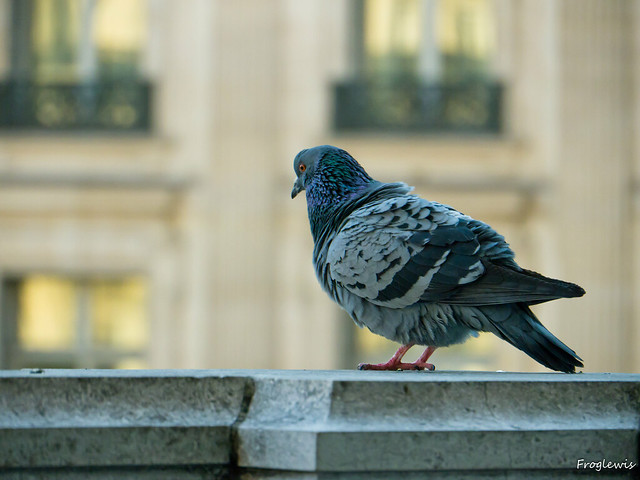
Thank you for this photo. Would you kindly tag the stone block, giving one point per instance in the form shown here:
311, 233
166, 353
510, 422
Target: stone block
419, 421
91, 418
271, 424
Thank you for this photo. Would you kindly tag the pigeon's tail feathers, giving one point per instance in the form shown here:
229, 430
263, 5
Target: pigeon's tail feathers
562, 289
505, 283
518, 325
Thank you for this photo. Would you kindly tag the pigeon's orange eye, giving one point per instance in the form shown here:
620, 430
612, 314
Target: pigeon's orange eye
302, 167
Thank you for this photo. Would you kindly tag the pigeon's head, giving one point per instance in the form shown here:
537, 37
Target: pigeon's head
329, 166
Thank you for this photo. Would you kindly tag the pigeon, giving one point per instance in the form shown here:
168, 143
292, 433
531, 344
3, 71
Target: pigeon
419, 272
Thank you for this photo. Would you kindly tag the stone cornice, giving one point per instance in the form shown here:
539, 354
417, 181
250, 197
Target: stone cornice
317, 421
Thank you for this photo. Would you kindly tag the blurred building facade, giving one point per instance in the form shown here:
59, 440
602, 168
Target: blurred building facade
145, 168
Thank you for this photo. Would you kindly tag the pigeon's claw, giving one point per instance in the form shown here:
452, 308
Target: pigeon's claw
396, 363
422, 366
393, 366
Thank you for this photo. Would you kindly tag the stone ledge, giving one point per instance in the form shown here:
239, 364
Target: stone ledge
317, 421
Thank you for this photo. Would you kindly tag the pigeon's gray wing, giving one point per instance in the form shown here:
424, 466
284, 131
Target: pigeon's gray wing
405, 250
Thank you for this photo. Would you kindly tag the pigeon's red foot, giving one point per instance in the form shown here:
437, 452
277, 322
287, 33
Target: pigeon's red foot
395, 362
397, 366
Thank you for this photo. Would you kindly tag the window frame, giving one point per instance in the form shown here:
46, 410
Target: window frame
355, 98
113, 104
83, 353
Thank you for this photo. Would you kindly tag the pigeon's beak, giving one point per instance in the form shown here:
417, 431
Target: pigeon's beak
297, 187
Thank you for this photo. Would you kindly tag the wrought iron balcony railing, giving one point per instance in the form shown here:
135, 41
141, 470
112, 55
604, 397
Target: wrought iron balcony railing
411, 106
120, 105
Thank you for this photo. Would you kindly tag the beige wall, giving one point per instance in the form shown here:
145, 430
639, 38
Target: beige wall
242, 86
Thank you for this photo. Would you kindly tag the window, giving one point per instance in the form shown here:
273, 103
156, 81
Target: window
51, 321
421, 65
75, 65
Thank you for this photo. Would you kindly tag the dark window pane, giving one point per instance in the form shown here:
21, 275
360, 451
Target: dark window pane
416, 107
75, 65
424, 66
105, 105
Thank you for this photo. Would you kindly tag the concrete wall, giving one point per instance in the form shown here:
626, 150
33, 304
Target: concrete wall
300, 424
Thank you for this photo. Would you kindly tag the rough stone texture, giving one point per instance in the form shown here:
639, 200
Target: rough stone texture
327, 424
354, 421
90, 418
219, 473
